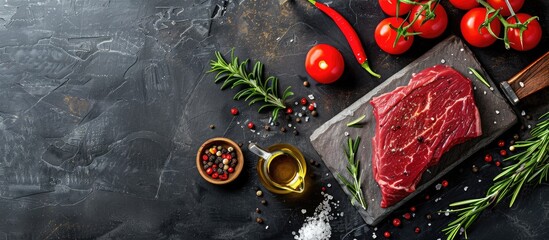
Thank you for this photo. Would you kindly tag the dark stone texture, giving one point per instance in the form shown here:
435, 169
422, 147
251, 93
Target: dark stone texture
103, 105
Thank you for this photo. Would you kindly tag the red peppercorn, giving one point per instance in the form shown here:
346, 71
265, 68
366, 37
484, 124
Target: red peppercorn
214, 166
234, 111
387, 234
412, 209
501, 143
407, 216
444, 183
311, 107
303, 101
427, 197
503, 152
224, 176
498, 163
251, 125
417, 230
229, 156
488, 158
289, 110
230, 170
215, 175
396, 222
323, 189
205, 157
209, 171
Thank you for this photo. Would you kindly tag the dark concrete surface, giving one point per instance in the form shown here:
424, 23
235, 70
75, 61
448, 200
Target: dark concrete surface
104, 104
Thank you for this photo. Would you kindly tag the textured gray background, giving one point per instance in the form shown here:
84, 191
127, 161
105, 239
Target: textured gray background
104, 103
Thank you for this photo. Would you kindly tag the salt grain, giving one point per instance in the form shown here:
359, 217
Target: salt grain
475, 88
306, 119
311, 97
442, 61
438, 186
495, 122
465, 188
497, 112
521, 84
329, 185
447, 212
267, 227
523, 113
300, 114
480, 180
484, 92
429, 224
303, 108
346, 134
303, 211
296, 103
529, 126
461, 50
491, 89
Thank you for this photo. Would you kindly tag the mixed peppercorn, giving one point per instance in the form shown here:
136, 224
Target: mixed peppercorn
219, 162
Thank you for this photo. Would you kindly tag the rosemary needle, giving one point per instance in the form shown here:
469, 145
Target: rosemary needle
355, 123
480, 77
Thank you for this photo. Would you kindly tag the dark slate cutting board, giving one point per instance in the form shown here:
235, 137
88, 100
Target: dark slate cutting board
329, 139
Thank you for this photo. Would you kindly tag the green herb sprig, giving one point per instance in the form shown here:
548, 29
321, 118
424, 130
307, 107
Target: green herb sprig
353, 167
356, 122
531, 167
255, 88
480, 77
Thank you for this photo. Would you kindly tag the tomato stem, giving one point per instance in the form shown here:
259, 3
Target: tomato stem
506, 25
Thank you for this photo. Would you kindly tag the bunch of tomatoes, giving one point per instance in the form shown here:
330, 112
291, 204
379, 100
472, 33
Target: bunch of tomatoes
428, 19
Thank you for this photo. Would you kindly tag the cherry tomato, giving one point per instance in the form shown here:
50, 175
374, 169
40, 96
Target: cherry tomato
469, 28
433, 27
464, 4
324, 63
530, 37
500, 4
385, 36
389, 7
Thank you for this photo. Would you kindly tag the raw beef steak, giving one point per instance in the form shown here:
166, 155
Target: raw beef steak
416, 124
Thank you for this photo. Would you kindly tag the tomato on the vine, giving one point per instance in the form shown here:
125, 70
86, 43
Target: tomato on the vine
530, 37
433, 27
324, 63
504, 10
389, 7
470, 28
385, 36
464, 4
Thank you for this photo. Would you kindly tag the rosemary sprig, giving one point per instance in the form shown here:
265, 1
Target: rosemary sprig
531, 166
353, 168
356, 122
255, 87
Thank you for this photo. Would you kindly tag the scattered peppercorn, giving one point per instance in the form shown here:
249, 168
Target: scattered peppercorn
488, 158
212, 126
429, 216
259, 193
474, 168
516, 137
420, 139
257, 210
417, 230
259, 220
412, 209
323, 189
512, 142
444, 183
283, 129
427, 197
313, 162
289, 110
396, 222
407, 216
501, 143
298, 120
306, 84
387, 234
314, 113
251, 125
263, 201
503, 152
303, 101
234, 111
295, 132
311, 107
267, 128
528, 117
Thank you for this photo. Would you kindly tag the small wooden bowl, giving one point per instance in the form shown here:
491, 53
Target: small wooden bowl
225, 143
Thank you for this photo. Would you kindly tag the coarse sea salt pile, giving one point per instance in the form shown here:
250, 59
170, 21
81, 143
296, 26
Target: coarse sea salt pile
317, 227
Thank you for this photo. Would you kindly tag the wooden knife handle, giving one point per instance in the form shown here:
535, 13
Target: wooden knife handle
532, 78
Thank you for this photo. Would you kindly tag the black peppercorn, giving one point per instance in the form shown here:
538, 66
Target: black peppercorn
306, 84
212, 126
283, 129
205, 166
474, 168
429, 216
528, 117
516, 137
298, 120
263, 201
220, 165
259, 220
267, 128
314, 113
296, 132
420, 139
257, 210
220, 171
210, 164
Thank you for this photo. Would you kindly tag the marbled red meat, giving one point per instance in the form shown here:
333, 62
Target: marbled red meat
416, 124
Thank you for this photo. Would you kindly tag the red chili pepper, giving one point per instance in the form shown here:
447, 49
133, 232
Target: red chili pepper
350, 35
